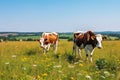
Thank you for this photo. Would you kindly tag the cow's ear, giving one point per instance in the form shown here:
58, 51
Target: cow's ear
93, 37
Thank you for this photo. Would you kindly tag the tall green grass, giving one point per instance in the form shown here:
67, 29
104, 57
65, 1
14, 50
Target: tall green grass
25, 61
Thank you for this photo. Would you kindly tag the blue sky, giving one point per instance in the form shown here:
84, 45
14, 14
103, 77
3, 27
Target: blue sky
59, 15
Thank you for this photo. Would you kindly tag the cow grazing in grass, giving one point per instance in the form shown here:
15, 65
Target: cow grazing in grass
88, 41
49, 39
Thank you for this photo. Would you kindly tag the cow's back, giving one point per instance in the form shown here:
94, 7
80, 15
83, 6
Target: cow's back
85, 38
90, 38
50, 38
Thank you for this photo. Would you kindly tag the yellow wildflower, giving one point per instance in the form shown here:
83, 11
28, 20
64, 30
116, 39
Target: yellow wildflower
81, 64
44, 74
72, 78
39, 77
24, 59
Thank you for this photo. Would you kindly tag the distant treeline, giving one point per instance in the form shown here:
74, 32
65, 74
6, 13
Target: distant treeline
111, 33
29, 36
32, 36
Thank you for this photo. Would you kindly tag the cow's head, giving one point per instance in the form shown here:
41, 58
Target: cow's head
99, 41
43, 43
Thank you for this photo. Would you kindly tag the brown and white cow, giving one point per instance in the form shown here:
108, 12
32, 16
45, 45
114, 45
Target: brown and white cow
49, 39
88, 41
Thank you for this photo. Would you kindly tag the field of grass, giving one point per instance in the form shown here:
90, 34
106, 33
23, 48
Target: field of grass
25, 61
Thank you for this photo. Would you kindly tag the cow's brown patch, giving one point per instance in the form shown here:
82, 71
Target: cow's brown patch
50, 38
86, 38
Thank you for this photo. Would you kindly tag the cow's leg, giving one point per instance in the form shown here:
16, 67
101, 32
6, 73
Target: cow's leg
44, 51
48, 47
55, 47
86, 52
74, 49
91, 53
79, 52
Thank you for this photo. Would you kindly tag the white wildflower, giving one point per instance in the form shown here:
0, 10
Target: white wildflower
88, 77
80, 61
103, 77
7, 63
24, 68
34, 78
71, 66
13, 56
76, 62
57, 66
60, 71
97, 68
34, 65
107, 74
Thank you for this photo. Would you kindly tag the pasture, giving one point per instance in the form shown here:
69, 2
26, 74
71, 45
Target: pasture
25, 61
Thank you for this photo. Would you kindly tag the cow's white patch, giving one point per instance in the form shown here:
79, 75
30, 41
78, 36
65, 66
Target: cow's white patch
55, 33
99, 39
41, 42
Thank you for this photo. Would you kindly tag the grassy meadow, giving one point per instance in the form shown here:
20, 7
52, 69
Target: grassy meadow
25, 61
